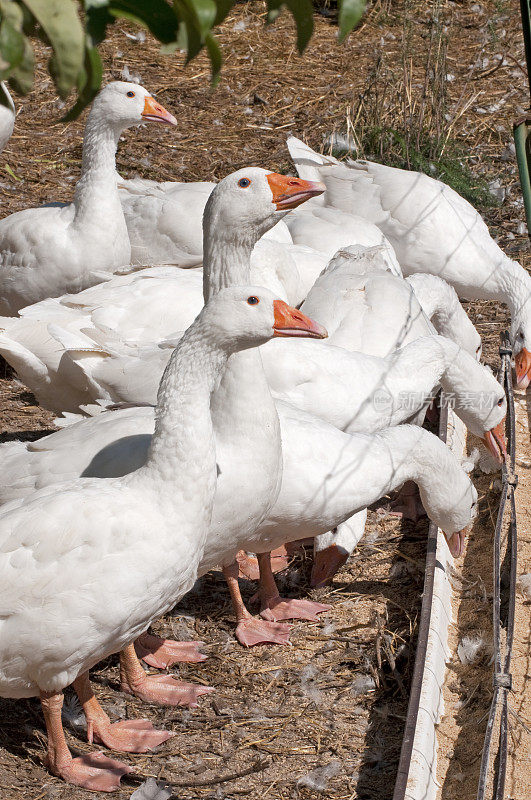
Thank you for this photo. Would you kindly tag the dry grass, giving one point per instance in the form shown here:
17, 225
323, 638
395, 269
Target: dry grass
289, 710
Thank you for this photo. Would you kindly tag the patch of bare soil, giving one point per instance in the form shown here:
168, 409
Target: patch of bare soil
332, 700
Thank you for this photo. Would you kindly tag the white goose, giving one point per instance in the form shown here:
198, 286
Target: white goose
376, 393
7, 115
220, 266
432, 229
368, 309
47, 251
327, 230
164, 221
341, 474
71, 352
115, 443
64, 610
164, 224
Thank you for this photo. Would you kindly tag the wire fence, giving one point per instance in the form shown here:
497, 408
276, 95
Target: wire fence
502, 650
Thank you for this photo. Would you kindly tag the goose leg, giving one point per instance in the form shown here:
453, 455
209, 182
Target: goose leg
275, 607
249, 629
164, 653
407, 503
164, 690
94, 771
248, 565
127, 736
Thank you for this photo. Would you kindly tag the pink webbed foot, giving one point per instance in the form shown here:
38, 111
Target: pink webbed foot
278, 608
94, 771
250, 632
128, 736
164, 653
167, 691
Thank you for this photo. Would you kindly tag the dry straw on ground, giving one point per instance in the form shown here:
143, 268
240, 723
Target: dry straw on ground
324, 717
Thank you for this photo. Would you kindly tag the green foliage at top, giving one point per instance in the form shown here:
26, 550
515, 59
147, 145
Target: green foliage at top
177, 24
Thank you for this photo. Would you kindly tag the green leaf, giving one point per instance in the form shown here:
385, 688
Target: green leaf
10, 172
203, 13
189, 37
302, 11
12, 12
350, 13
21, 77
11, 47
216, 58
156, 15
93, 71
96, 20
223, 8
61, 24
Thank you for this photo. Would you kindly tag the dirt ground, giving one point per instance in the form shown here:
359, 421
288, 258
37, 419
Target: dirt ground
332, 700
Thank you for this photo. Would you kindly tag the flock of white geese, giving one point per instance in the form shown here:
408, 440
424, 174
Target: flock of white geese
152, 299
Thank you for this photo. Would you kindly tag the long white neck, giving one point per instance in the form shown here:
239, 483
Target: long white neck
418, 366
181, 459
515, 287
7, 116
440, 303
96, 197
244, 415
353, 472
417, 455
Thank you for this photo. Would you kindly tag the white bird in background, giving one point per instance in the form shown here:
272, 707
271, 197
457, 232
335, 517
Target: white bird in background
47, 251
432, 229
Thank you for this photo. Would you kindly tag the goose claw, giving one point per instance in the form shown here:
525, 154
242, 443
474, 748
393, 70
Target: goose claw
164, 653
164, 690
95, 772
278, 609
253, 631
130, 736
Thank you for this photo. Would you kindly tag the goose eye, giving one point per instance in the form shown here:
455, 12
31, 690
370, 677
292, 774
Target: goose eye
500, 401
253, 301
244, 183
130, 94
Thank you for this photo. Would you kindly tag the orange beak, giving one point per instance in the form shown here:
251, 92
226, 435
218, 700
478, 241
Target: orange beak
154, 112
495, 439
326, 563
290, 192
456, 542
291, 322
522, 362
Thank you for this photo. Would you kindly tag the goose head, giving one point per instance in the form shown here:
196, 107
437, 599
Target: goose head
521, 340
484, 413
123, 104
240, 317
331, 551
250, 201
452, 505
